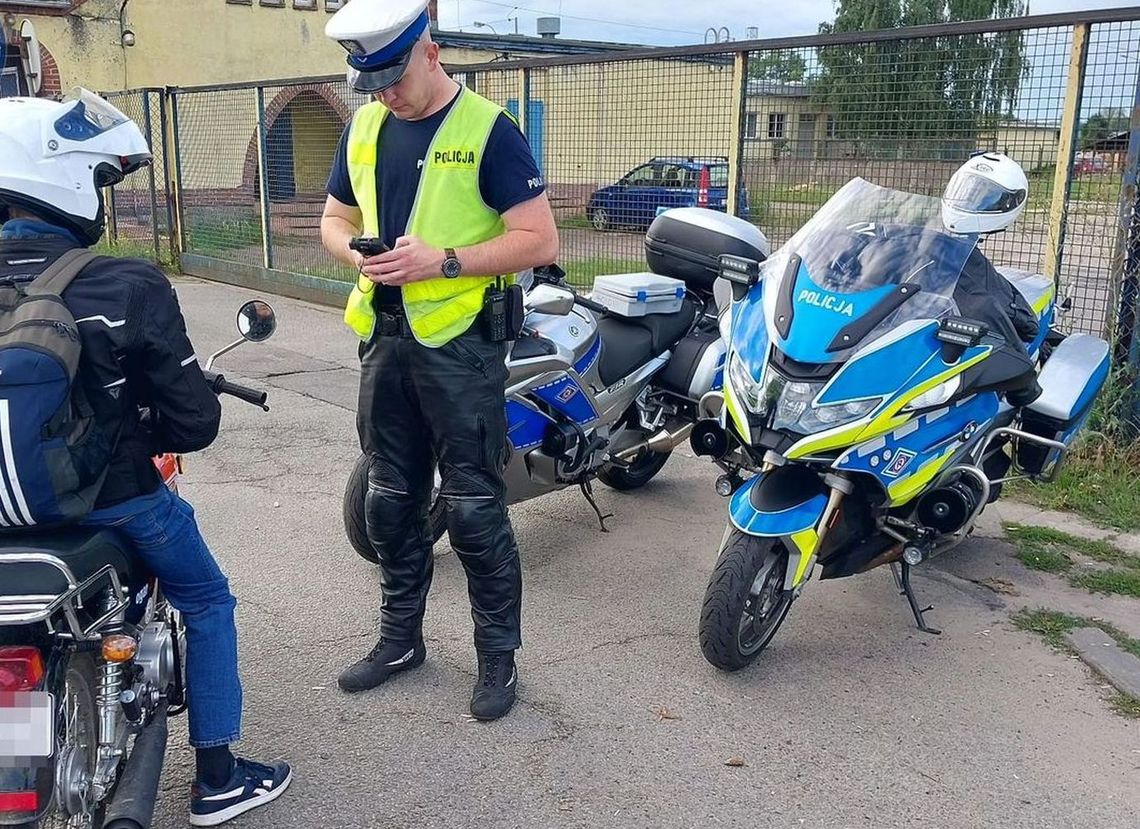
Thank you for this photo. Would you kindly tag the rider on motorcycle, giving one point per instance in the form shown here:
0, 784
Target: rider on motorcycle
135, 355
986, 195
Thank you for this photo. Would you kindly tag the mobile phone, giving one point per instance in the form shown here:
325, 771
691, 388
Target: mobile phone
367, 245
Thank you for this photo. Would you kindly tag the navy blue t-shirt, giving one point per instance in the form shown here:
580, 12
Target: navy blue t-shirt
508, 175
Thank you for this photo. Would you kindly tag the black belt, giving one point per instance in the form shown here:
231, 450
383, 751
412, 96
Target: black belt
393, 324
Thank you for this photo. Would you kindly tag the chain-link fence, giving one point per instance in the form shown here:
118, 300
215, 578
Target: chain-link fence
767, 130
140, 210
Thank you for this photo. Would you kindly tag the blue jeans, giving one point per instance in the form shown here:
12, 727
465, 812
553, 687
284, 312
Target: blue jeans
162, 532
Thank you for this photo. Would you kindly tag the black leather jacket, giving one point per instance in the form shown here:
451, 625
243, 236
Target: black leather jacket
136, 355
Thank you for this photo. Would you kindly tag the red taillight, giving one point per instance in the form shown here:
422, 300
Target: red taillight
703, 189
21, 669
19, 802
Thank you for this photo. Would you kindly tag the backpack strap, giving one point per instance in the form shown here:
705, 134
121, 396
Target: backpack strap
61, 272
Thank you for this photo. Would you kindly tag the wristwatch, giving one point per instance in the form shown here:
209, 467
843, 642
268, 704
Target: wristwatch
451, 267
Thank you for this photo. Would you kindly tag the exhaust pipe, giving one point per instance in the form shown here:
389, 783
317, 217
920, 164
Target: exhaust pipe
664, 441
133, 804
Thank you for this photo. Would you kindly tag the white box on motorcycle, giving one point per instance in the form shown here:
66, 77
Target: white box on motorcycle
686, 243
639, 294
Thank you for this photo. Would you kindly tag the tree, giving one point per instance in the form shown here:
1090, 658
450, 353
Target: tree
1106, 123
778, 66
930, 97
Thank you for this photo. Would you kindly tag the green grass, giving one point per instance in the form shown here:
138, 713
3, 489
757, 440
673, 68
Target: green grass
134, 249
579, 221
1044, 538
581, 272
1047, 550
1118, 582
1098, 479
1126, 705
213, 234
811, 194
1087, 187
1052, 627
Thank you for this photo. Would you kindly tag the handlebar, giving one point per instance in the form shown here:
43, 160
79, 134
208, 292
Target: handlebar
220, 385
590, 305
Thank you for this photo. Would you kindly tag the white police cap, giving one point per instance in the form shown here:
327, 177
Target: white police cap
378, 36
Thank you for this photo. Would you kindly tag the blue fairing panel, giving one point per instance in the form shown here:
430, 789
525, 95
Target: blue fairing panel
796, 519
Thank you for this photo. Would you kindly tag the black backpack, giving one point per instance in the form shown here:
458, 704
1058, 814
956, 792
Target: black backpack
53, 456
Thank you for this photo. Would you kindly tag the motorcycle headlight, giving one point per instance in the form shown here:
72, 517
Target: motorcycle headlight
747, 389
794, 410
936, 396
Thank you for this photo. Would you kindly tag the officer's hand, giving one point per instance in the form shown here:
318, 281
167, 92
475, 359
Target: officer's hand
411, 260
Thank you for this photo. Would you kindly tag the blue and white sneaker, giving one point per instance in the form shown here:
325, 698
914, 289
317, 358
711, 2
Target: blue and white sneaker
251, 785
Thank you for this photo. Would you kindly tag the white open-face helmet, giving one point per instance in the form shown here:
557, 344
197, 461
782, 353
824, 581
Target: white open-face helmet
55, 156
986, 195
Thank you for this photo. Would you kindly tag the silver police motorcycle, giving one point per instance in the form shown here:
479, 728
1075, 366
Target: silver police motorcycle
607, 391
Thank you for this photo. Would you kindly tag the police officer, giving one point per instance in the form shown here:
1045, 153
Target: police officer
447, 181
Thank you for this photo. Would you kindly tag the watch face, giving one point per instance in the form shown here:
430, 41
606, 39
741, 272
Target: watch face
451, 268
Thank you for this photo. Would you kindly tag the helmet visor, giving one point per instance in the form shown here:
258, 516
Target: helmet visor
972, 193
88, 117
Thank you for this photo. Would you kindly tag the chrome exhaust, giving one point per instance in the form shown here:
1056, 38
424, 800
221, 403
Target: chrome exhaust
663, 441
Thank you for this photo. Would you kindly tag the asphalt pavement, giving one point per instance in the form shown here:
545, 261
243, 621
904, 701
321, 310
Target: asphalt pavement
851, 718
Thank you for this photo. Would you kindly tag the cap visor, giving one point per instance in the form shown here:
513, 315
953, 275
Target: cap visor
377, 80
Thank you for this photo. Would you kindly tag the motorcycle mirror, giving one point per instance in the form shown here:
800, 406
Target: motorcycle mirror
256, 321
550, 299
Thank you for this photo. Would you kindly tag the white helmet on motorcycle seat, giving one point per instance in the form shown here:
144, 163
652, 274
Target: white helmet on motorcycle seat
986, 195
56, 155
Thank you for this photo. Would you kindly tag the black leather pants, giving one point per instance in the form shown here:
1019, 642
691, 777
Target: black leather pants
418, 404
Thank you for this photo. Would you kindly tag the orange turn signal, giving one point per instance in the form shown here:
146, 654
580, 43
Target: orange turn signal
119, 648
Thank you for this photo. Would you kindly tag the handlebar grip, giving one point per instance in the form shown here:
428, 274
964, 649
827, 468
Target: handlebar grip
220, 385
245, 393
590, 305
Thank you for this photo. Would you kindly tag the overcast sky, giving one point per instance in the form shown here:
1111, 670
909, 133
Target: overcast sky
673, 21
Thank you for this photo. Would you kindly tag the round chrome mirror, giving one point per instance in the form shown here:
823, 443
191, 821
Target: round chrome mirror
256, 321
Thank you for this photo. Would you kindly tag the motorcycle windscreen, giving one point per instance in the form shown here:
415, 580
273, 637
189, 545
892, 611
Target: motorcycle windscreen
869, 261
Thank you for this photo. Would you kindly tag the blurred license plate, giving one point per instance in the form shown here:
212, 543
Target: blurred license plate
26, 725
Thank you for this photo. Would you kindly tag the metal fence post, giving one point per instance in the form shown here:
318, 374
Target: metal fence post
736, 139
112, 214
524, 99
1063, 175
1128, 257
174, 175
263, 180
150, 172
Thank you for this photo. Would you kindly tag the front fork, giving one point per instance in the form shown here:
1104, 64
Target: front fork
803, 547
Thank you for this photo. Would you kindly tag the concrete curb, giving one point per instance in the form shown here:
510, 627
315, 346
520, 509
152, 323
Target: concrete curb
1101, 653
1066, 522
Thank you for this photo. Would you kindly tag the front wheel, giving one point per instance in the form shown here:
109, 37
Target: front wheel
745, 602
355, 492
600, 219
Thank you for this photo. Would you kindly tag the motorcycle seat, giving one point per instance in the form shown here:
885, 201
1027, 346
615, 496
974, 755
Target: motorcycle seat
1033, 286
85, 551
629, 342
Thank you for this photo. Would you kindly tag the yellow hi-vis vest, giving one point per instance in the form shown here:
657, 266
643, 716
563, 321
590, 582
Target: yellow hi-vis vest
448, 212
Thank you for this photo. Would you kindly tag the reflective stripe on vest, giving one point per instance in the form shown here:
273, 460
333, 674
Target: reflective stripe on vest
448, 212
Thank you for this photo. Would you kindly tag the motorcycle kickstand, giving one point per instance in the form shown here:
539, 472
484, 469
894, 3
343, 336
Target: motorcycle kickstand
905, 589
588, 494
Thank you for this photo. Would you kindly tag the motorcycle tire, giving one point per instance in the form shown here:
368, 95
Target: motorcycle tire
637, 474
745, 602
81, 684
354, 493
